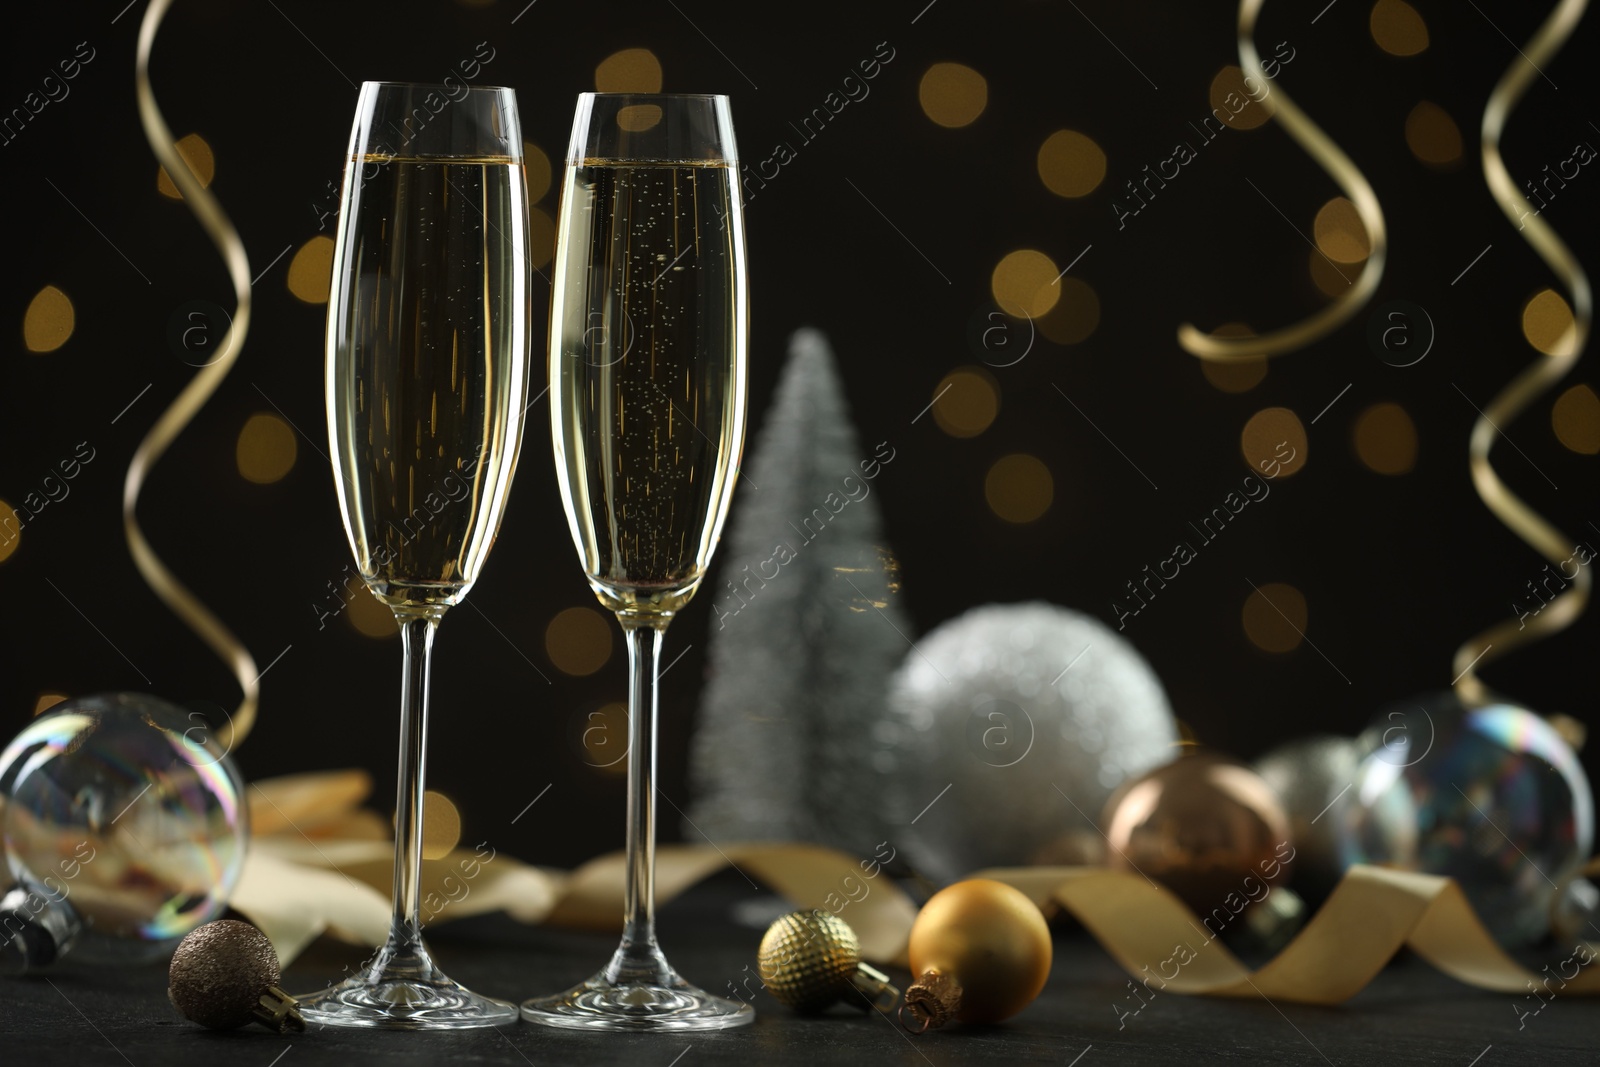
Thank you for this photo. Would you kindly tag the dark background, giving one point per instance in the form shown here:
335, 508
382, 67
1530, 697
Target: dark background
1397, 571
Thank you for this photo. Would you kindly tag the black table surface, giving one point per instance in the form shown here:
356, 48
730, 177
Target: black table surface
1410, 1014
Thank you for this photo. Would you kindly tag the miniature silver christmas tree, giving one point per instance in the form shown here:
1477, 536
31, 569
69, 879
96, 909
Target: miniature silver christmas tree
805, 628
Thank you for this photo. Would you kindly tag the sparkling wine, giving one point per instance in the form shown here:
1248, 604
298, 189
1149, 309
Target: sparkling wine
647, 339
427, 343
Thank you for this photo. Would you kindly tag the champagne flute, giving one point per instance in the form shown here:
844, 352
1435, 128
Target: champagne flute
648, 328
427, 368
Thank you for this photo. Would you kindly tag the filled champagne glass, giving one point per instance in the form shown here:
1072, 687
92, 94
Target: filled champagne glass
648, 329
427, 371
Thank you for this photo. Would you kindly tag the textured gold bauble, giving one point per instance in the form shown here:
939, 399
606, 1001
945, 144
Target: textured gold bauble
812, 959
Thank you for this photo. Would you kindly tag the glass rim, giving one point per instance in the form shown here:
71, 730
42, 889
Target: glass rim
439, 85
659, 96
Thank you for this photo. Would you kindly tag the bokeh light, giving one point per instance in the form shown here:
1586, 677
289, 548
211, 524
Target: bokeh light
1547, 324
968, 401
1432, 135
266, 449
194, 151
366, 614
1274, 617
10, 531
1576, 420
1233, 105
1075, 315
441, 825
1234, 376
1019, 488
536, 166
578, 641
1385, 439
632, 70
541, 237
1071, 164
311, 270
49, 320
1397, 28
953, 94
637, 117
1024, 284
47, 701
1339, 232
1274, 443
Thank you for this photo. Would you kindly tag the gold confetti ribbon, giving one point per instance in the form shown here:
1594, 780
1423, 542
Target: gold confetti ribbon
1551, 543
172, 422
1331, 158
322, 865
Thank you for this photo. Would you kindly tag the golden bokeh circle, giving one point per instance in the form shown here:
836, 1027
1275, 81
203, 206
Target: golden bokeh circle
266, 449
1340, 233
310, 274
967, 401
1019, 488
1397, 28
49, 320
638, 117
1232, 103
1576, 419
1075, 315
632, 70
578, 641
1234, 375
1274, 617
953, 94
194, 151
441, 825
1071, 164
10, 531
1432, 135
1385, 439
536, 170
367, 615
1024, 284
541, 236
1548, 325
1274, 443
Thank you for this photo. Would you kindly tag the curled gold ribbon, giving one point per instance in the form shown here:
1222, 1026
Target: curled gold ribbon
1331, 158
172, 422
1510, 509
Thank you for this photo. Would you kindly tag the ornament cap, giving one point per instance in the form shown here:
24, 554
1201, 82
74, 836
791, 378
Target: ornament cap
277, 1010
933, 1000
876, 989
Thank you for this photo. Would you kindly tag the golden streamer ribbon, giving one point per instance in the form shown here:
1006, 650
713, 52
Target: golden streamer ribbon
324, 867
1331, 158
1551, 543
172, 422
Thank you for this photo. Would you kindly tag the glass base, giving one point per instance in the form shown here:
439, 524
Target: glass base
408, 995
638, 1005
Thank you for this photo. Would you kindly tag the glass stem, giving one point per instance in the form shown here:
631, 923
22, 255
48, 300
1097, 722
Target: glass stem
416, 640
639, 957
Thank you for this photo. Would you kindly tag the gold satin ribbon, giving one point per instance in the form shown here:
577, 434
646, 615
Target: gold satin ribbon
172, 422
311, 875
1331, 158
1549, 542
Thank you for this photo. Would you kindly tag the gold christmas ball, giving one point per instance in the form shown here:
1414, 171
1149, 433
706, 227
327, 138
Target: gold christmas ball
1205, 826
810, 959
981, 951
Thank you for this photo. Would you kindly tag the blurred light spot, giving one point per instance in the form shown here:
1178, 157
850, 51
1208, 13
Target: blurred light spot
1275, 617
47, 701
10, 531
311, 270
536, 165
1339, 232
1274, 443
1547, 324
266, 449
1234, 376
1023, 284
49, 320
953, 94
578, 641
1019, 488
1332, 278
1075, 315
194, 151
638, 117
1071, 164
1397, 28
1234, 105
603, 738
632, 70
968, 400
1386, 439
1575, 419
369, 616
541, 236
1432, 135
441, 825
